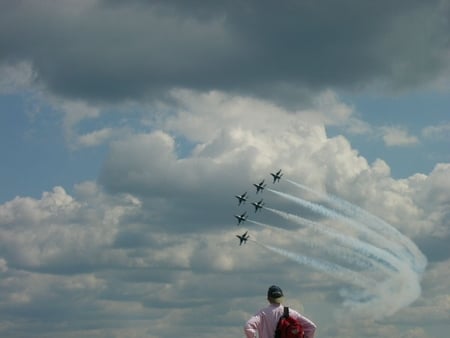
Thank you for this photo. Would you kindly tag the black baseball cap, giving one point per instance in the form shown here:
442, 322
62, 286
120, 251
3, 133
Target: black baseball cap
275, 292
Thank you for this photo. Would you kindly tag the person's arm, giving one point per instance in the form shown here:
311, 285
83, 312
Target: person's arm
251, 327
308, 325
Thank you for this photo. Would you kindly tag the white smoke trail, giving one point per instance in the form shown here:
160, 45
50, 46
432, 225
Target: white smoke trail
376, 300
391, 247
331, 269
334, 251
410, 249
375, 255
388, 297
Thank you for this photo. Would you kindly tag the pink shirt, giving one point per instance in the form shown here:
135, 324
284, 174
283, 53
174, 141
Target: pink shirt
263, 324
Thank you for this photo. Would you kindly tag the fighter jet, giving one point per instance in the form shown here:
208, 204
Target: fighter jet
258, 205
260, 186
243, 238
241, 218
276, 176
241, 198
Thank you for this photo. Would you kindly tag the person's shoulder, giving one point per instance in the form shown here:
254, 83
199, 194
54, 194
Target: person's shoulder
302, 318
266, 309
294, 313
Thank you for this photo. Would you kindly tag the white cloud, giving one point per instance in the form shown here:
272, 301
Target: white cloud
164, 222
396, 137
27, 211
95, 138
438, 132
202, 115
56, 231
357, 126
248, 143
241, 139
434, 305
16, 77
430, 193
74, 113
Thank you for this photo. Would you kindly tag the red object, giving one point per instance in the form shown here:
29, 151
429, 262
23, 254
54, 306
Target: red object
288, 327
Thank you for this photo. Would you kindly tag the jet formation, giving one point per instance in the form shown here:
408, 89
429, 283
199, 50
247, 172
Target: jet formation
258, 205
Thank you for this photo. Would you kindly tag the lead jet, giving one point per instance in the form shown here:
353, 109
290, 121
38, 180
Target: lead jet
258, 205
243, 238
241, 218
260, 186
276, 176
241, 198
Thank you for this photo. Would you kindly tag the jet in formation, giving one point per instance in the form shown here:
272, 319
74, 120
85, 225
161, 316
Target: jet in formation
241, 198
276, 176
241, 218
243, 238
258, 205
260, 186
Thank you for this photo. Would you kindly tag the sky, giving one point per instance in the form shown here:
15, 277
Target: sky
128, 127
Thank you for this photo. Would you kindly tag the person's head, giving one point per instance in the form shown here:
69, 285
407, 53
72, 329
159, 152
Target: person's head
275, 295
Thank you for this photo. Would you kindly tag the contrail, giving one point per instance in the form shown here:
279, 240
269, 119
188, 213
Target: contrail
331, 269
331, 250
388, 297
410, 249
369, 252
375, 238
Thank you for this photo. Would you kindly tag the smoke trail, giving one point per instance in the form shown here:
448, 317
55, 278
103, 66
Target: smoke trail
376, 299
331, 269
369, 252
370, 234
333, 251
388, 297
410, 249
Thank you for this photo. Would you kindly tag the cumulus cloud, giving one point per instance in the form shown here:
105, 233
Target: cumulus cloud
54, 232
431, 193
434, 305
206, 99
159, 220
238, 138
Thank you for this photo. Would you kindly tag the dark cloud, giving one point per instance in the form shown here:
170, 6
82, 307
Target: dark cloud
116, 50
